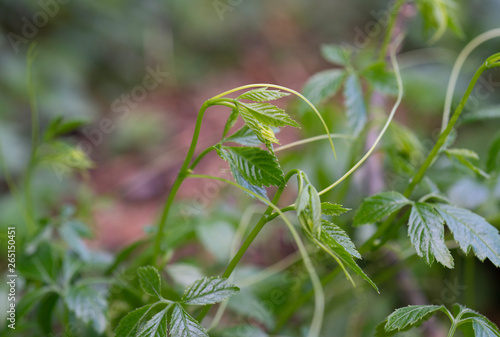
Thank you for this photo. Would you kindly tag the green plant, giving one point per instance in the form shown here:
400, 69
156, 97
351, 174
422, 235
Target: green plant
82, 290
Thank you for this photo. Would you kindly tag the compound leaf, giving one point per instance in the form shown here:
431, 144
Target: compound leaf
257, 166
129, 325
409, 316
378, 206
381, 79
263, 95
354, 103
472, 230
426, 233
150, 280
156, 326
209, 290
183, 325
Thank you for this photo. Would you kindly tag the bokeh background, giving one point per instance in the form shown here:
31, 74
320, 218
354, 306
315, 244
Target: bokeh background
92, 55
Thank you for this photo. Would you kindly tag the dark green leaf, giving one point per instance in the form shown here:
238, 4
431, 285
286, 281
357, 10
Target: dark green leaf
45, 312
355, 104
335, 236
378, 206
322, 86
263, 95
130, 324
243, 182
244, 136
183, 325
29, 299
150, 280
59, 127
336, 54
257, 166
333, 209
381, 79
269, 115
209, 290
410, 316
156, 326
89, 304
471, 230
426, 233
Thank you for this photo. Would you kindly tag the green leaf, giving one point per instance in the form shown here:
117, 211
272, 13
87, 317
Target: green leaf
381, 79
439, 15
68, 157
74, 242
183, 325
355, 104
333, 209
410, 316
308, 204
472, 230
378, 206
485, 114
156, 326
243, 182
244, 136
335, 236
243, 331
262, 95
461, 157
493, 155
339, 246
426, 233
59, 127
322, 86
45, 312
130, 324
257, 166
336, 54
263, 132
231, 120
484, 327
29, 299
269, 115
89, 305
209, 290
150, 280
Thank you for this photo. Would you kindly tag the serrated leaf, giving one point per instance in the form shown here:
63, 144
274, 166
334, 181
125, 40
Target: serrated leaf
244, 136
322, 85
263, 95
335, 235
243, 182
333, 209
381, 79
150, 280
130, 324
338, 251
89, 304
461, 158
263, 132
183, 325
156, 326
484, 327
426, 233
269, 115
231, 120
472, 231
308, 204
378, 206
336, 54
410, 316
209, 290
257, 166
354, 104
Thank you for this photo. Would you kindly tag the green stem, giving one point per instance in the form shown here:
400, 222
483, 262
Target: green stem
183, 172
266, 217
200, 156
390, 28
386, 225
315, 326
